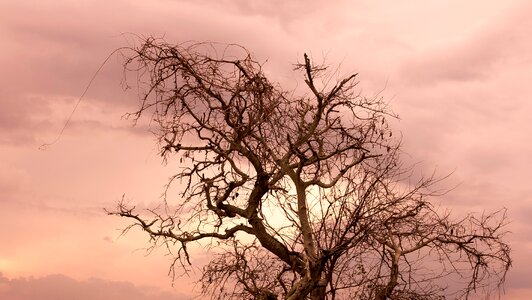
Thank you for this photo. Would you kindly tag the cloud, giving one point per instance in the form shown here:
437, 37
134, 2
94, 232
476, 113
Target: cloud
53, 52
53, 287
470, 98
478, 55
519, 294
285, 12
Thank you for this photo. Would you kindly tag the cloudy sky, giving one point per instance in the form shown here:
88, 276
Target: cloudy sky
458, 73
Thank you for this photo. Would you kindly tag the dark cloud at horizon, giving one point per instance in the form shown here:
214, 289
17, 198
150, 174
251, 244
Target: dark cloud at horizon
56, 286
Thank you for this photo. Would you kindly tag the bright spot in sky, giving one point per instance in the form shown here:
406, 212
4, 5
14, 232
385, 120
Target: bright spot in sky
5, 265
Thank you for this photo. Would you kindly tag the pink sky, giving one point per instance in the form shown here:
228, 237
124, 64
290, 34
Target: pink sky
457, 72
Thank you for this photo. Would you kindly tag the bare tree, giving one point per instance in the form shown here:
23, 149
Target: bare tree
299, 195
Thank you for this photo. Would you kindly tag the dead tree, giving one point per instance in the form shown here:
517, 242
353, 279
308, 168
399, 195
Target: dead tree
299, 195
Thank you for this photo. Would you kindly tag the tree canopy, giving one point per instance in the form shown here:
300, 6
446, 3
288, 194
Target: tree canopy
298, 195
